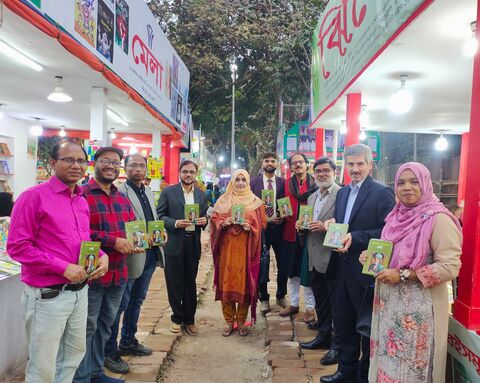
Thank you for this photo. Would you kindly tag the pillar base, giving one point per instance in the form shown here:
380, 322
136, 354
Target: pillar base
467, 316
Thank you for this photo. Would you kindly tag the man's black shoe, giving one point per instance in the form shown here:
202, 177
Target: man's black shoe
331, 357
317, 343
313, 326
339, 377
134, 348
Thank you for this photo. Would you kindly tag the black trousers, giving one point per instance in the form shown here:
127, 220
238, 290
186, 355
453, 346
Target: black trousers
273, 239
350, 292
324, 292
180, 275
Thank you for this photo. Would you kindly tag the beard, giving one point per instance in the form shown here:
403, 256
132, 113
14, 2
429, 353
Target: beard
324, 184
269, 169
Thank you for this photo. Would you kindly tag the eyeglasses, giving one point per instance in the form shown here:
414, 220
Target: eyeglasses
136, 166
323, 171
107, 162
191, 172
70, 161
298, 162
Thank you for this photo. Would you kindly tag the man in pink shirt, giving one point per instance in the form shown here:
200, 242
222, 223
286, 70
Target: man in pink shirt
48, 224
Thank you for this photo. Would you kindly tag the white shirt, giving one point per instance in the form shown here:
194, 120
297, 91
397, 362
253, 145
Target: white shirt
189, 200
320, 201
352, 197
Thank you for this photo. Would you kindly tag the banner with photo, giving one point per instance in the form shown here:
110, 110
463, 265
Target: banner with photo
126, 37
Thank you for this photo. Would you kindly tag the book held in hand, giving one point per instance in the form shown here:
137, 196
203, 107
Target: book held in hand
89, 253
305, 216
137, 234
284, 207
192, 212
378, 257
238, 214
335, 235
156, 229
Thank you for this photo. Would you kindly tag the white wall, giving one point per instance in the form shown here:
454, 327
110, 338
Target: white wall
24, 168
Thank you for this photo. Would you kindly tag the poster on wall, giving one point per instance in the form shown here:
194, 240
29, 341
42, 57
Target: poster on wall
105, 31
306, 140
31, 148
121, 32
85, 24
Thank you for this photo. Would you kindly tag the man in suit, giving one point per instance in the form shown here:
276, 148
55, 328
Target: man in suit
321, 279
363, 205
141, 267
183, 250
273, 234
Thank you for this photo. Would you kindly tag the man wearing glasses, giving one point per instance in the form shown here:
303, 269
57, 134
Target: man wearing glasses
109, 211
141, 267
182, 252
48, 224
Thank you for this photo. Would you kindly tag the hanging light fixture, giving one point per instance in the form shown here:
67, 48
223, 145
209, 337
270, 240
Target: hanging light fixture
36, 129
58, 95
62, 132
363, 135
402, 100
343, 127
441, 144
470, 47
112, 134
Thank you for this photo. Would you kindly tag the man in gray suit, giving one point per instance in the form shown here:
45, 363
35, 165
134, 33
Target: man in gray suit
141, 267
323, 284
183, 250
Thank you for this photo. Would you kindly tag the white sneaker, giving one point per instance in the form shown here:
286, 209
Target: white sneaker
264, 307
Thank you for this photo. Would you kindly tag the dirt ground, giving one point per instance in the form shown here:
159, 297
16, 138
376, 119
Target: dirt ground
210, 357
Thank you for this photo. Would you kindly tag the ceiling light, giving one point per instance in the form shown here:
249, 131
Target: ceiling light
470, 47
7, 50
112, 134
36, 129
62, 132
343, 127
441, 144
363, 135
115, 117
126, 138
363, 118
402, 100
133, 149
58, 95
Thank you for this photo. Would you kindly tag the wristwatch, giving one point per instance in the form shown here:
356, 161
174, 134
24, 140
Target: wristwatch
404, 274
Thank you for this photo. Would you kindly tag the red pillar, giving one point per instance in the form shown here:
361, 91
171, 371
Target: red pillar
467, 305
172, 162
462, 178
319, 138
354, 107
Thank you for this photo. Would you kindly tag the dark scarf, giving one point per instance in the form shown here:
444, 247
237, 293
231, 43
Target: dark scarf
293, 188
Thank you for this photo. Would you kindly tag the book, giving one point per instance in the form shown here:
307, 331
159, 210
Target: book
335, 234
4, 167
284, 207
378, 257
89, 252
156, 230
4, 149
238, 214
192, 212
137, 234
305, 216
4, 228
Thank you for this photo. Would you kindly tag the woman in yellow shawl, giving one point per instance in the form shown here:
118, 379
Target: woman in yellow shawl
236, 251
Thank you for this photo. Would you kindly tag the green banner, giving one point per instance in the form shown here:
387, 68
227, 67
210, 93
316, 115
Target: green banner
37, 3
348, 35
464, 353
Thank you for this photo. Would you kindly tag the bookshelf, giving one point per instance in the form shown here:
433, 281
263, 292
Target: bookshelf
7, 162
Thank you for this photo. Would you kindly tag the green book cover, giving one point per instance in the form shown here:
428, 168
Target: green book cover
156, 230
284, 207
89, 252
137, 234
335, 234
378, 257
238, 214
305, 216
192, 212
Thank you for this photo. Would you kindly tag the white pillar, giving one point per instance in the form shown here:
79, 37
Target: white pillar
156, 153
98, 115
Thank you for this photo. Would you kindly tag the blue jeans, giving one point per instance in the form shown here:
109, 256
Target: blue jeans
131, 304
103, 304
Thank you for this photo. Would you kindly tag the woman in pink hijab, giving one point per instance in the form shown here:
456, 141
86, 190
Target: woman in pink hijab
410, 310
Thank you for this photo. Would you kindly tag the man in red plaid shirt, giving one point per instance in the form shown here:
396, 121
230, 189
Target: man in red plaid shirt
109, 211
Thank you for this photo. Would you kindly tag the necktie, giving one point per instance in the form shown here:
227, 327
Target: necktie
270, 210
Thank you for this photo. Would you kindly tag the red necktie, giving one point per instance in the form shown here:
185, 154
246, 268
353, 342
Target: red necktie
270, 210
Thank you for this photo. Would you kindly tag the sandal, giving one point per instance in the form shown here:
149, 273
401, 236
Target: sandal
242, 330
227, 330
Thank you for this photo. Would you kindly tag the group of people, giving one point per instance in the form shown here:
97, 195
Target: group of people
386, 328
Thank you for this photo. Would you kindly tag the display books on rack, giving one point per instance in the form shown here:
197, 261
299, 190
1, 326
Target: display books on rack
192, 212
89, 253
4, 169
5, 187
238, 214
305, 216
156, 230
335, 234
9, 267
378, 256
4, 228
137, 234
284, 207
4, 150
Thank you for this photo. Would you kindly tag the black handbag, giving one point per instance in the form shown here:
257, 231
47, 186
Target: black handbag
264, 262
364, 320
